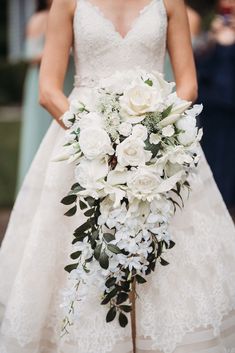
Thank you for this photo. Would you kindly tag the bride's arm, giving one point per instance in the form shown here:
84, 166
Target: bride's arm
180, 50
59, 39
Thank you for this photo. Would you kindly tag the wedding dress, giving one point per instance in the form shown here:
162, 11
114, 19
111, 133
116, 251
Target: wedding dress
186, 307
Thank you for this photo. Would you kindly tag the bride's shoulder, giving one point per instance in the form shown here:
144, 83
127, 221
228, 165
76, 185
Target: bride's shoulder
174, 6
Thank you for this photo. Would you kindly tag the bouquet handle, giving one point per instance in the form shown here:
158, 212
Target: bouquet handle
133, 314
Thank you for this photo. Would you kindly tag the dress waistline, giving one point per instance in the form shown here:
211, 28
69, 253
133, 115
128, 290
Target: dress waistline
86, 81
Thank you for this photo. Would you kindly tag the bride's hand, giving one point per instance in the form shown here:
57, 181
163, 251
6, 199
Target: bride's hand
59, 40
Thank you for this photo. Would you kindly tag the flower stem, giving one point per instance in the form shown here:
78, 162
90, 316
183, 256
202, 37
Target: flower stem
133, 314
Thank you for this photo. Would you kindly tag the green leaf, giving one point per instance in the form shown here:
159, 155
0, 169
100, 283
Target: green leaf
123, 321
125, 286
82, 229
171, 245
126, 308
140, 279
75, 240
68, 200
114, 249
180, 197
149, 82
77, 187
71, 212
70, 268
122, 297
104, 260
111, 314
89, 212
82, 205
76, 255
159, 249
109, 296
110, 282
95, 234
178, 186
154, 149
163, 262
186, 183
90, 200
153, 265
167, 111
97, 252
108, 237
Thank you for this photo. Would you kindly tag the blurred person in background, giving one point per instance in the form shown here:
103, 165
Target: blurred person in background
216, 74
35, 119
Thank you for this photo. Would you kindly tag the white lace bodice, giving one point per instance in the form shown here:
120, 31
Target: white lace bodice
99, 49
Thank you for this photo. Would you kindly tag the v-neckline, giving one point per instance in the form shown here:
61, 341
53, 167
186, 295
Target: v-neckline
100, 12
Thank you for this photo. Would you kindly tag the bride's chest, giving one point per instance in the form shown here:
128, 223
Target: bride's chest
95, 31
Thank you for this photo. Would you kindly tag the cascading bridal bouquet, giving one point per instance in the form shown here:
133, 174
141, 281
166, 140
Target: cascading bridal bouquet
133, 148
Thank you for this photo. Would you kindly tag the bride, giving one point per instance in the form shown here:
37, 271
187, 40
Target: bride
186, 307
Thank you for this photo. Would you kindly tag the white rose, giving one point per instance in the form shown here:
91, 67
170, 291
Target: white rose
131, 152
89, 120
138, 100
143, 184
154, 139
67, 119
95, 142
188, 125
90, 174
168, 131
140, 131
125, 129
